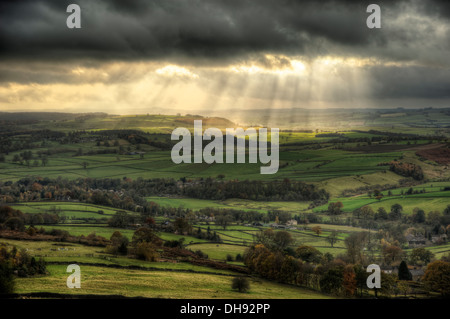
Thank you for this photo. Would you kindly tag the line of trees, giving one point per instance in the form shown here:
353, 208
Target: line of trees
14, 219
431, 223
406, 169
287, 190
105, 191
344, 275
308, 268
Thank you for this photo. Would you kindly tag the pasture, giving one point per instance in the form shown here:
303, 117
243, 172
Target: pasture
70, 212
158, 284
339, 152
432, 200
232, 203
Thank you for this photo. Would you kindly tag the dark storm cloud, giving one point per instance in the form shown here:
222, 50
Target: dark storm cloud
437, 7
211, 29
36, 45
410, 82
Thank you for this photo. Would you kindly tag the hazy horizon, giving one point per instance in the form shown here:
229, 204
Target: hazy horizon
175, 112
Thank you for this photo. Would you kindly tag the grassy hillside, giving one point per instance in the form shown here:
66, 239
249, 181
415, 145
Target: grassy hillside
345, 153
158, 284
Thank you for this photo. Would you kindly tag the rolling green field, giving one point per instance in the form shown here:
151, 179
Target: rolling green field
158, 284
307, 165
432, 200
339, 154
69, 210
160, 280
67, 253
241, 204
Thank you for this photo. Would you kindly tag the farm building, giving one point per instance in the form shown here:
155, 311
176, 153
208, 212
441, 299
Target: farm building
415, 241
417, 273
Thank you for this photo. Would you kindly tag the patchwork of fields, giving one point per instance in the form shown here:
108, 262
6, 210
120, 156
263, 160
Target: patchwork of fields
349, 164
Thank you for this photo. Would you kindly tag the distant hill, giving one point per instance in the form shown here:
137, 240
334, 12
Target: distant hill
206, 121
45, 116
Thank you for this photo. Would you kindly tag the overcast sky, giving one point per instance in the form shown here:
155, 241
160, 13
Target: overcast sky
141, 56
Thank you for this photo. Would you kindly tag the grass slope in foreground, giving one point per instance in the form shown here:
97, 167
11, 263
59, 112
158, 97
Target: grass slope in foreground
158, 284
